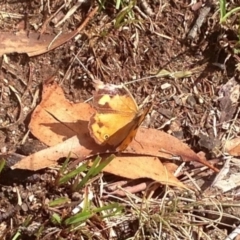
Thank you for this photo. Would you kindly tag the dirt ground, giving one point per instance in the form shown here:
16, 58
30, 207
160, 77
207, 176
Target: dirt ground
151, 36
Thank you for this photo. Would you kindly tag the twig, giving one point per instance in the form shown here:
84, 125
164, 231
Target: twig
46, 22
70, 13
192, 180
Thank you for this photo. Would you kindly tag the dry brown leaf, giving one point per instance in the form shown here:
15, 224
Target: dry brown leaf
24, 42
35, 44
56, 120
170, 166
132, 167
48, 157
233, 147
142, 167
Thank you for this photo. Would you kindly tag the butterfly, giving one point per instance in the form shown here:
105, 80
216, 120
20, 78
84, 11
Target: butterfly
117, 117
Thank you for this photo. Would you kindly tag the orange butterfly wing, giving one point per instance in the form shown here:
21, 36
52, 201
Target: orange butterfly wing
117, 116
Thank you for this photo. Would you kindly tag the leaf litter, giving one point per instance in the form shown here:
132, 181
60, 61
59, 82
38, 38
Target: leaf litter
34, 44
62, 125
202, 87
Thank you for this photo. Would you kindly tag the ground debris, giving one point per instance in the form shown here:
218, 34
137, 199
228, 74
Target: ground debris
228, 99
144, 47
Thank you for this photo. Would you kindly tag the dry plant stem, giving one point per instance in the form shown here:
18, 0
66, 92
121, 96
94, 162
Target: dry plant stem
70, 13
87, 19
7, 66
214, 126
69, 67
58, 41
141, 13
85, 69
48, 6
35, 98
44, 26
133, 189
11, 15
101, 186
193, 181
25, 137
194, 172
114, 186
18, 196
179, 169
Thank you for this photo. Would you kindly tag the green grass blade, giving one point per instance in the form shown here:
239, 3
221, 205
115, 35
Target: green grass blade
83, 216
17, 235
89, 173
222, 9
120, 17
102, 4
65, 164
78, 218
229, 14
72, 174
2, 164
59, 201
102, 165
118, 3
56, 219
114, 206
95, 169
